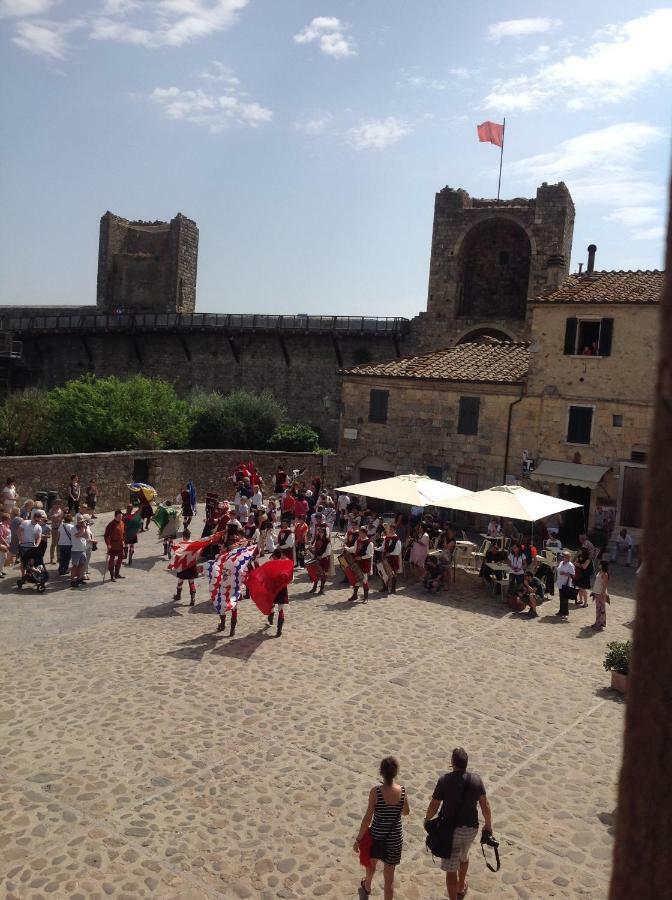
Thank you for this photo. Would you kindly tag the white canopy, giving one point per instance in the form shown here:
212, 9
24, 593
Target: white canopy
414, 490
511, 502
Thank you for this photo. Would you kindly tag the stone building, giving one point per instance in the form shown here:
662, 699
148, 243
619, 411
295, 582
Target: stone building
445, 414
569, 413
147, 266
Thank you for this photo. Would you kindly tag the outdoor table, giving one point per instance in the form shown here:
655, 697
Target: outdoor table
496, 539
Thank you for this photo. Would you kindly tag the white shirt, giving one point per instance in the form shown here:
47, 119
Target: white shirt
30, 534
343, 502
243, 513
286, 540
565, 573
9, 492
65, 534
80, 538
270, 543
624, 541
517, 563
258, 499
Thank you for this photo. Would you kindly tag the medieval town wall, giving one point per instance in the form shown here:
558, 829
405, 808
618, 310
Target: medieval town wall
167, 470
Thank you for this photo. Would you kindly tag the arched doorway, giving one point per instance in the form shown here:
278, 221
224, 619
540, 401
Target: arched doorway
494, 271
372, 468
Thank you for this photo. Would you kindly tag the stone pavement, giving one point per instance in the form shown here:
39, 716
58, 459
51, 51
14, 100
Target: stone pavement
141, 754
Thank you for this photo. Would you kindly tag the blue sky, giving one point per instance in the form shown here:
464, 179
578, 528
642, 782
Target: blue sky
307, 139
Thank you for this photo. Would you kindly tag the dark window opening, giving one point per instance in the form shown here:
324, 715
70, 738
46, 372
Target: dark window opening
588, 337
580, 424
435, 472
617, 421
503, 258
638, 456
378, 401
468, 416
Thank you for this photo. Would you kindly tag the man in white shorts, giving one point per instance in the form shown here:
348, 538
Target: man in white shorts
459, 793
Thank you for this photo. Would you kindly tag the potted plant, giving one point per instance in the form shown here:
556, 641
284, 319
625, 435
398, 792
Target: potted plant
617, 661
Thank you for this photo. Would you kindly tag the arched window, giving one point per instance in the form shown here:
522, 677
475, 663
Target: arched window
494, 271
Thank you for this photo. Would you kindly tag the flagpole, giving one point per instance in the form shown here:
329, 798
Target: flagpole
501, 157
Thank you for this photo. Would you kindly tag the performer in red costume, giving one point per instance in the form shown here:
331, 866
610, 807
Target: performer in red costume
364, 559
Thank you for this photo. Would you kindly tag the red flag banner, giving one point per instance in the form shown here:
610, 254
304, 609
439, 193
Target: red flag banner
491, 133
265, 583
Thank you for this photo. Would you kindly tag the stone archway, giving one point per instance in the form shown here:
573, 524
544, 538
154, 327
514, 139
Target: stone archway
373, 467
494, 270
479, 335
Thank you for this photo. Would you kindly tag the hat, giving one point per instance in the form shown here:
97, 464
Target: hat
79, 517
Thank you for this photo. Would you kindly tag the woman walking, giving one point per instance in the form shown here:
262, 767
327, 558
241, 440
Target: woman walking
584, 569
601, 596
387, 804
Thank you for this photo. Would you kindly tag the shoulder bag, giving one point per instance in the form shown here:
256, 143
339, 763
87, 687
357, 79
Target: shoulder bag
439, 840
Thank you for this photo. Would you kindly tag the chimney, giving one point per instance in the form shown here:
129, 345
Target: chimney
592, 250
580, 268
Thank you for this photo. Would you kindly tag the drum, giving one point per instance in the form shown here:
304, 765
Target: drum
211, 501
354, 574
315, 570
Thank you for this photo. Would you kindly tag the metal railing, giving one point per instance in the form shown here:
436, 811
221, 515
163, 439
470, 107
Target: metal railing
229, 322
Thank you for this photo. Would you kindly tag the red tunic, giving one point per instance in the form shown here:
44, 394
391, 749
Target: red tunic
365, 564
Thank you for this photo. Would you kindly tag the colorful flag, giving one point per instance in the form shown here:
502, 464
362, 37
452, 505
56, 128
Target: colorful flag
226, 575
265, 583
491, 132
187, 553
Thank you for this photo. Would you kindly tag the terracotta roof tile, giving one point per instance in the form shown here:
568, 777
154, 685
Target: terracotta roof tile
490, 361
608, 287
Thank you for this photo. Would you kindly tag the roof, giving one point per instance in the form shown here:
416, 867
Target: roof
490, 361
560, 472
608, 287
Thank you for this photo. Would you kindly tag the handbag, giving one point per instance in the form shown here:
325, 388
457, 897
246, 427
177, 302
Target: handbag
439, 840
365, 849
375, 847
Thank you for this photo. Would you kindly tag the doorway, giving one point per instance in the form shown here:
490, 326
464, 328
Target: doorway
141, 470
574, 521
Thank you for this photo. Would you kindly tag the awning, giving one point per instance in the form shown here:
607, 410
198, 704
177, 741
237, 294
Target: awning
569, 473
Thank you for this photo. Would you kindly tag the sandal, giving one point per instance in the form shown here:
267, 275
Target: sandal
361, 884
462, 894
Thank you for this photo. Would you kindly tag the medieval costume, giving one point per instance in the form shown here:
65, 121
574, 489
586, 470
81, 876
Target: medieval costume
364, 559
392, 556
321, 550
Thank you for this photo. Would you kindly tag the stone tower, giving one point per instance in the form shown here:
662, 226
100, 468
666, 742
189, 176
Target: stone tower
489, 259
147, 266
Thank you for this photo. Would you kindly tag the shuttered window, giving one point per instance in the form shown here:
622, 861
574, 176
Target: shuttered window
588, 337
580, 424
378, 401
468, 417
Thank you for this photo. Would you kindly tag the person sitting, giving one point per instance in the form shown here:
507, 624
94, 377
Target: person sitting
530, 592
433, 577
494, 528
494, 554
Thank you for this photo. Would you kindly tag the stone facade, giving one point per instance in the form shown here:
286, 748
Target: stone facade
489, 260
167, 470
421, 432
145, 266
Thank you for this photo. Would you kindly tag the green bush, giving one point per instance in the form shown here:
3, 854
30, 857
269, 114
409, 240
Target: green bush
241, 420
618, 657
90, 415
298, 438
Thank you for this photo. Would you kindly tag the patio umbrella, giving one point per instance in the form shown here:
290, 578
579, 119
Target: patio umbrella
413, 490
510, 501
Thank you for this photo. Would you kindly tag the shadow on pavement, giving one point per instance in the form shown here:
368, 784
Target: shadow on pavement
160, 610
244, 647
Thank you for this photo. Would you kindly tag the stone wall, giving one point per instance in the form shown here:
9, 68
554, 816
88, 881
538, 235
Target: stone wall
167, 470
301, 369
421, 430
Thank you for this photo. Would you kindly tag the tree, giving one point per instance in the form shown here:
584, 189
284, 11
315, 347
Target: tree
298, 438
90, 415
240, 420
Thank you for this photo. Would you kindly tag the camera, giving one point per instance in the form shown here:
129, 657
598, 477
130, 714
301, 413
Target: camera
488, 838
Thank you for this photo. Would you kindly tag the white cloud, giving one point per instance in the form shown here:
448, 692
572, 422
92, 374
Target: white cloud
601, 167
329, 32
643, 222
214, 111
376, 134
218, 73
44, 38
414, 78
317, 125
521, 27
15, 9
164, 23
620, 61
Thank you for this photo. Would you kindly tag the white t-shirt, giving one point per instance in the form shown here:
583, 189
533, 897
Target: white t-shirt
258, 499
517, 563
80, 539
30, 534
565, 573
625, 541
65, 534
343, 502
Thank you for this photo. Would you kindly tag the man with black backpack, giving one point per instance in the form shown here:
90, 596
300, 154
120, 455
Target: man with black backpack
458, 794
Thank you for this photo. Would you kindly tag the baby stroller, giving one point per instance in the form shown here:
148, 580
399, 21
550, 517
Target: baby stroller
34, 573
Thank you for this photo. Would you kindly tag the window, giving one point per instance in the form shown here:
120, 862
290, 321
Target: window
468, 418
638, 456
435, 472
588, 337
617, 421
378, 406
580, 424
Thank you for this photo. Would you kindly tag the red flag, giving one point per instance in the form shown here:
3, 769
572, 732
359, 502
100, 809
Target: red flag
266, 582
491, 132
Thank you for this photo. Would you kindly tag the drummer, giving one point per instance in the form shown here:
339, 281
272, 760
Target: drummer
392, 556
364, 559
321, 550
286, 542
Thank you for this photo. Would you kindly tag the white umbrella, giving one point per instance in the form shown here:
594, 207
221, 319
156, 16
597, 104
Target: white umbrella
414, 490
511, 502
